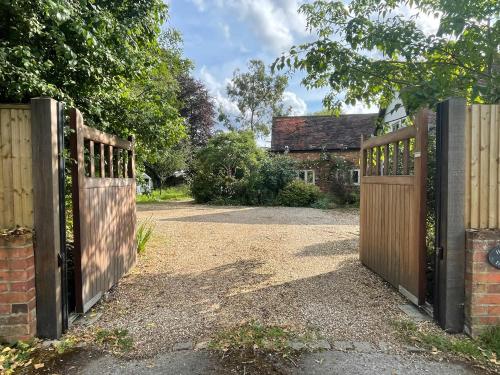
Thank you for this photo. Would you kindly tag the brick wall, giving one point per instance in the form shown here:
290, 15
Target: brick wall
322, 171
482, 282
17, 288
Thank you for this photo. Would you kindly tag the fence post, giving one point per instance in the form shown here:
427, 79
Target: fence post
44, 119
450, 193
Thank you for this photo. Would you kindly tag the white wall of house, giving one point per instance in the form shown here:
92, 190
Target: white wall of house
395, 114
145, 186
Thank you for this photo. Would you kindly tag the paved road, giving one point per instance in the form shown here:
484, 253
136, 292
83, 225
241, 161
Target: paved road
321, 363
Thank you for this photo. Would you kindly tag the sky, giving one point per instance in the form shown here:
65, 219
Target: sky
222, 35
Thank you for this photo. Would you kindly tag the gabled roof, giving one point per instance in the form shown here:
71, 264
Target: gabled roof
310, 133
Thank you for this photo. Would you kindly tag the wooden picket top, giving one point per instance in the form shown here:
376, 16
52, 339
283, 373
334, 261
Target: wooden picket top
392, 222
482, 163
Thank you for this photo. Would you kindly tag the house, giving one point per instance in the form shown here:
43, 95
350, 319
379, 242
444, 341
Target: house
319, 142
144, 185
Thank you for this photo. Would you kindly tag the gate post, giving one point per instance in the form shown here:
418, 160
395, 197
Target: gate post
450, 231
44, 123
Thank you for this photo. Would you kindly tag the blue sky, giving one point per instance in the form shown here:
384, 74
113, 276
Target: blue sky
222, 35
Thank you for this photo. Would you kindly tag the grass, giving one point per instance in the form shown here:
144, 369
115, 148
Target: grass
484, 349
259, 338
116, 340
144, 233
174, 193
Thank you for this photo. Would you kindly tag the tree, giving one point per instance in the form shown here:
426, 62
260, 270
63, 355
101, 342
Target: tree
167, 162
102, 56
258, 95
368, 50
222, 167
198, 108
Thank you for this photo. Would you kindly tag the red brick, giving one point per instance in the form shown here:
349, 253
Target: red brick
13, 319
17, 275
4, 287
20, 252
17, 297
491, 277
480, 267
494, 310
488, 320
21, 263
22, 286
478, 310
487, 299
480, 256
5, 308
493, 288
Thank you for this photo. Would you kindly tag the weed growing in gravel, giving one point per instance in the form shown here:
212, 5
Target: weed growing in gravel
144, 233
117, 340
484, 349
254, 336
15, 356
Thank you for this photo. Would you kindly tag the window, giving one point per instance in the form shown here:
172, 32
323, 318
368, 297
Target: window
355, 176
307, 175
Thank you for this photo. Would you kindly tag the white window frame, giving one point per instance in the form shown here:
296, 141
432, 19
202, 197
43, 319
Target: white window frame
352, 176
306, 174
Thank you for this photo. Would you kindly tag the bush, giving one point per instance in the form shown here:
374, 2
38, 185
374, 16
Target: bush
223, 168
299, 194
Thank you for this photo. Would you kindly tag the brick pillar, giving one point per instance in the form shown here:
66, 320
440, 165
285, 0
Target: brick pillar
482, 282
17, 288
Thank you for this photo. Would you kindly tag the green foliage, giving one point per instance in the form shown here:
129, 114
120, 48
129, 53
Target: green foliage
254, 336
169, 160
105, 57
490, 340
221, 169
484, 349
173, 193
144, 232
272, 175
298, 194
117, 340
367, 50
259, 96
343, 190
15, 357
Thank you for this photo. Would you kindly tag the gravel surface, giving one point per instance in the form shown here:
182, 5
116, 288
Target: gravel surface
209, 268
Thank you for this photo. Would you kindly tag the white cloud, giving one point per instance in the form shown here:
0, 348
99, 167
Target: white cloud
200, 5
217, 90
359, 107
276, 23
226, 31
297, 105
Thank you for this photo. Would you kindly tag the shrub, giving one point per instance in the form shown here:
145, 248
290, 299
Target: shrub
144, 233
223, 167
298, 194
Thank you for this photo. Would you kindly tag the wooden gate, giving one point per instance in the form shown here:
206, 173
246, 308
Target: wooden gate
103, 210
393, 195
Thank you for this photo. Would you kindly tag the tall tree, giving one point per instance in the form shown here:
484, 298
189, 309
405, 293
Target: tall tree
197, 108
367, 50
258, 95
102, 56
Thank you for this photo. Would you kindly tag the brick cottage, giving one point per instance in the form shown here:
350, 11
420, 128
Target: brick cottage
315, 141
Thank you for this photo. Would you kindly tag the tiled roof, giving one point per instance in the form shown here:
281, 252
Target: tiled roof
308, 133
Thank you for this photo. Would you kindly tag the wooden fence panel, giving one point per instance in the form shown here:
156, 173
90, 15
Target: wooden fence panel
482, 175
16, 186
104, 210
392, 207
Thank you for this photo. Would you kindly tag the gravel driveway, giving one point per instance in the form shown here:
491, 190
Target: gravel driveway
208, 268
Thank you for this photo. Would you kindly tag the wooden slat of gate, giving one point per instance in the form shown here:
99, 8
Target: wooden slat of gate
104, 215
393, 211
